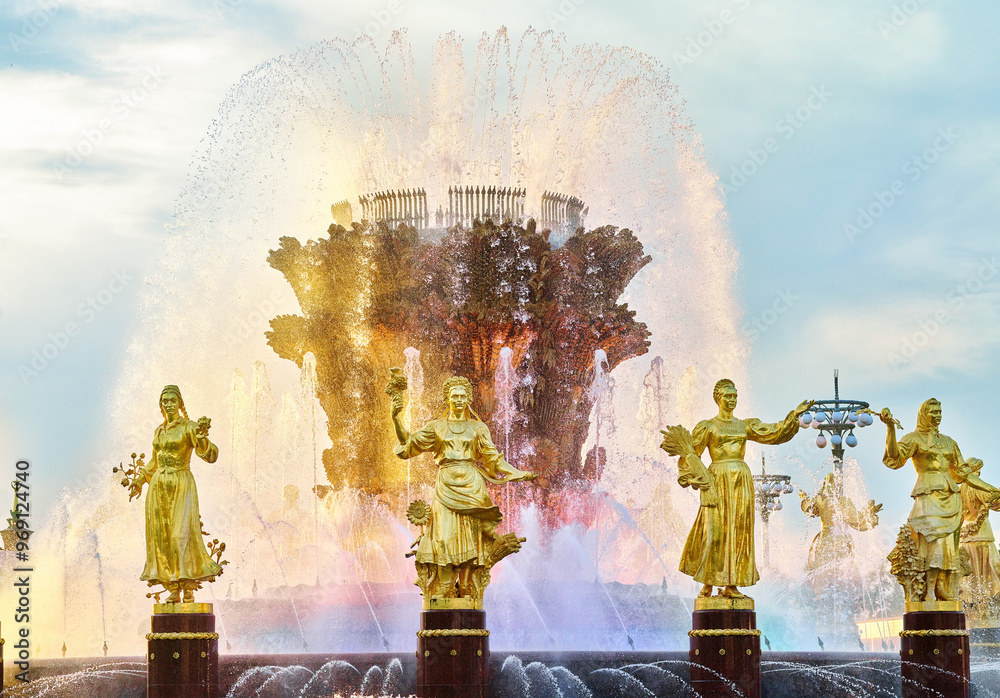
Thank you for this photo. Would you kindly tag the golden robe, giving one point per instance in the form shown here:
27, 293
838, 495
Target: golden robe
979, 542
937, 501
463, 518
720, 548
175, 549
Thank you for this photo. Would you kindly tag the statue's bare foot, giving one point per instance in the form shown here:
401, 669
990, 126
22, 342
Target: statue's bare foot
188, 596
731, 592
174, 597
705, 592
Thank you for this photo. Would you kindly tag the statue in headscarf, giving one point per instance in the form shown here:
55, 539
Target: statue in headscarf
926, 559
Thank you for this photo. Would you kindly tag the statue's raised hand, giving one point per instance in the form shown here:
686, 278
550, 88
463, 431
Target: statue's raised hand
135, 488
204, 424
804, 407
398, 402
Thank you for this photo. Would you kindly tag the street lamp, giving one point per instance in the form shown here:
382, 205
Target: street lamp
837, 418
767, 490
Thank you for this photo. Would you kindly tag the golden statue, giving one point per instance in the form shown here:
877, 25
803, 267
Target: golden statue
981, 589
926, 559
176, 557
832, 567
719, 551
832, 546
460, 545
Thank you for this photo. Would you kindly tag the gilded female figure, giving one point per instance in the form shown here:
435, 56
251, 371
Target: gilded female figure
832, 546
977, 539
719, 551
460, 545
175, 551
936, 518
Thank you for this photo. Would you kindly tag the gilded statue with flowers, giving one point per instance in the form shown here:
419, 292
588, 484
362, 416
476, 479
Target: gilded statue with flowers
458, 543
176, 556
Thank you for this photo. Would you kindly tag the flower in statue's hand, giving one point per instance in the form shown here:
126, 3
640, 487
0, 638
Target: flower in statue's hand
397, 382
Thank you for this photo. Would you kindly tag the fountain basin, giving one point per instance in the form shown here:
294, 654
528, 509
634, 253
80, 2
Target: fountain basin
827, 674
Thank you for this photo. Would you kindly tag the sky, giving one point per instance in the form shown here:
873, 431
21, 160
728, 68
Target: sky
856, 143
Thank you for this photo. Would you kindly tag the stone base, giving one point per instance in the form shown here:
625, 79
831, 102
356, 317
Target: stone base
934, 652
725, 653
453, 654
182, 660
984, 643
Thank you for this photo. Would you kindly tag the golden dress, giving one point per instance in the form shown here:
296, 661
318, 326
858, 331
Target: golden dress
720, 548
979, 542
175, 549
463, 518
937, 502
832, 546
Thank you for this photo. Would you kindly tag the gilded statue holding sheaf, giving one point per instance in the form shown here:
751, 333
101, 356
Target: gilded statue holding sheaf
719, 551
459, 543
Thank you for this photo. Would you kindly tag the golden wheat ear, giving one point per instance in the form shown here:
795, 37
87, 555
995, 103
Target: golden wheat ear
677, 441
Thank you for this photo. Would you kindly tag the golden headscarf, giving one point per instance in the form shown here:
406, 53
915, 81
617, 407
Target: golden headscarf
924, 423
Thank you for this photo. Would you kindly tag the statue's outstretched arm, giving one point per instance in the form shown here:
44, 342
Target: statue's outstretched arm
204, 448
402, 435
893, 457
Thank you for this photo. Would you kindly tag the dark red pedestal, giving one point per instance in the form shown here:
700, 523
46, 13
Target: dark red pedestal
182, 660
725, 654
937, 660
453, 664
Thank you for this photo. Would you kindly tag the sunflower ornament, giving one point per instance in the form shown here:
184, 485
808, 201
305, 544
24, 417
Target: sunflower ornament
418, 514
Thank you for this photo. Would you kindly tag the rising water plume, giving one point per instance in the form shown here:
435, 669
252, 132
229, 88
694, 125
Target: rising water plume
549, 125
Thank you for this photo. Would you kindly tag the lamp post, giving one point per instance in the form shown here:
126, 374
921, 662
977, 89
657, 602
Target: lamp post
767, 489
838, 418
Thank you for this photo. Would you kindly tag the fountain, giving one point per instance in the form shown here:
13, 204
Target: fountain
489, 164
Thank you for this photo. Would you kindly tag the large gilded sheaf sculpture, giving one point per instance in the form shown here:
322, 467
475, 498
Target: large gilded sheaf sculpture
458, 545
176, 557
927, 559
719, 551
